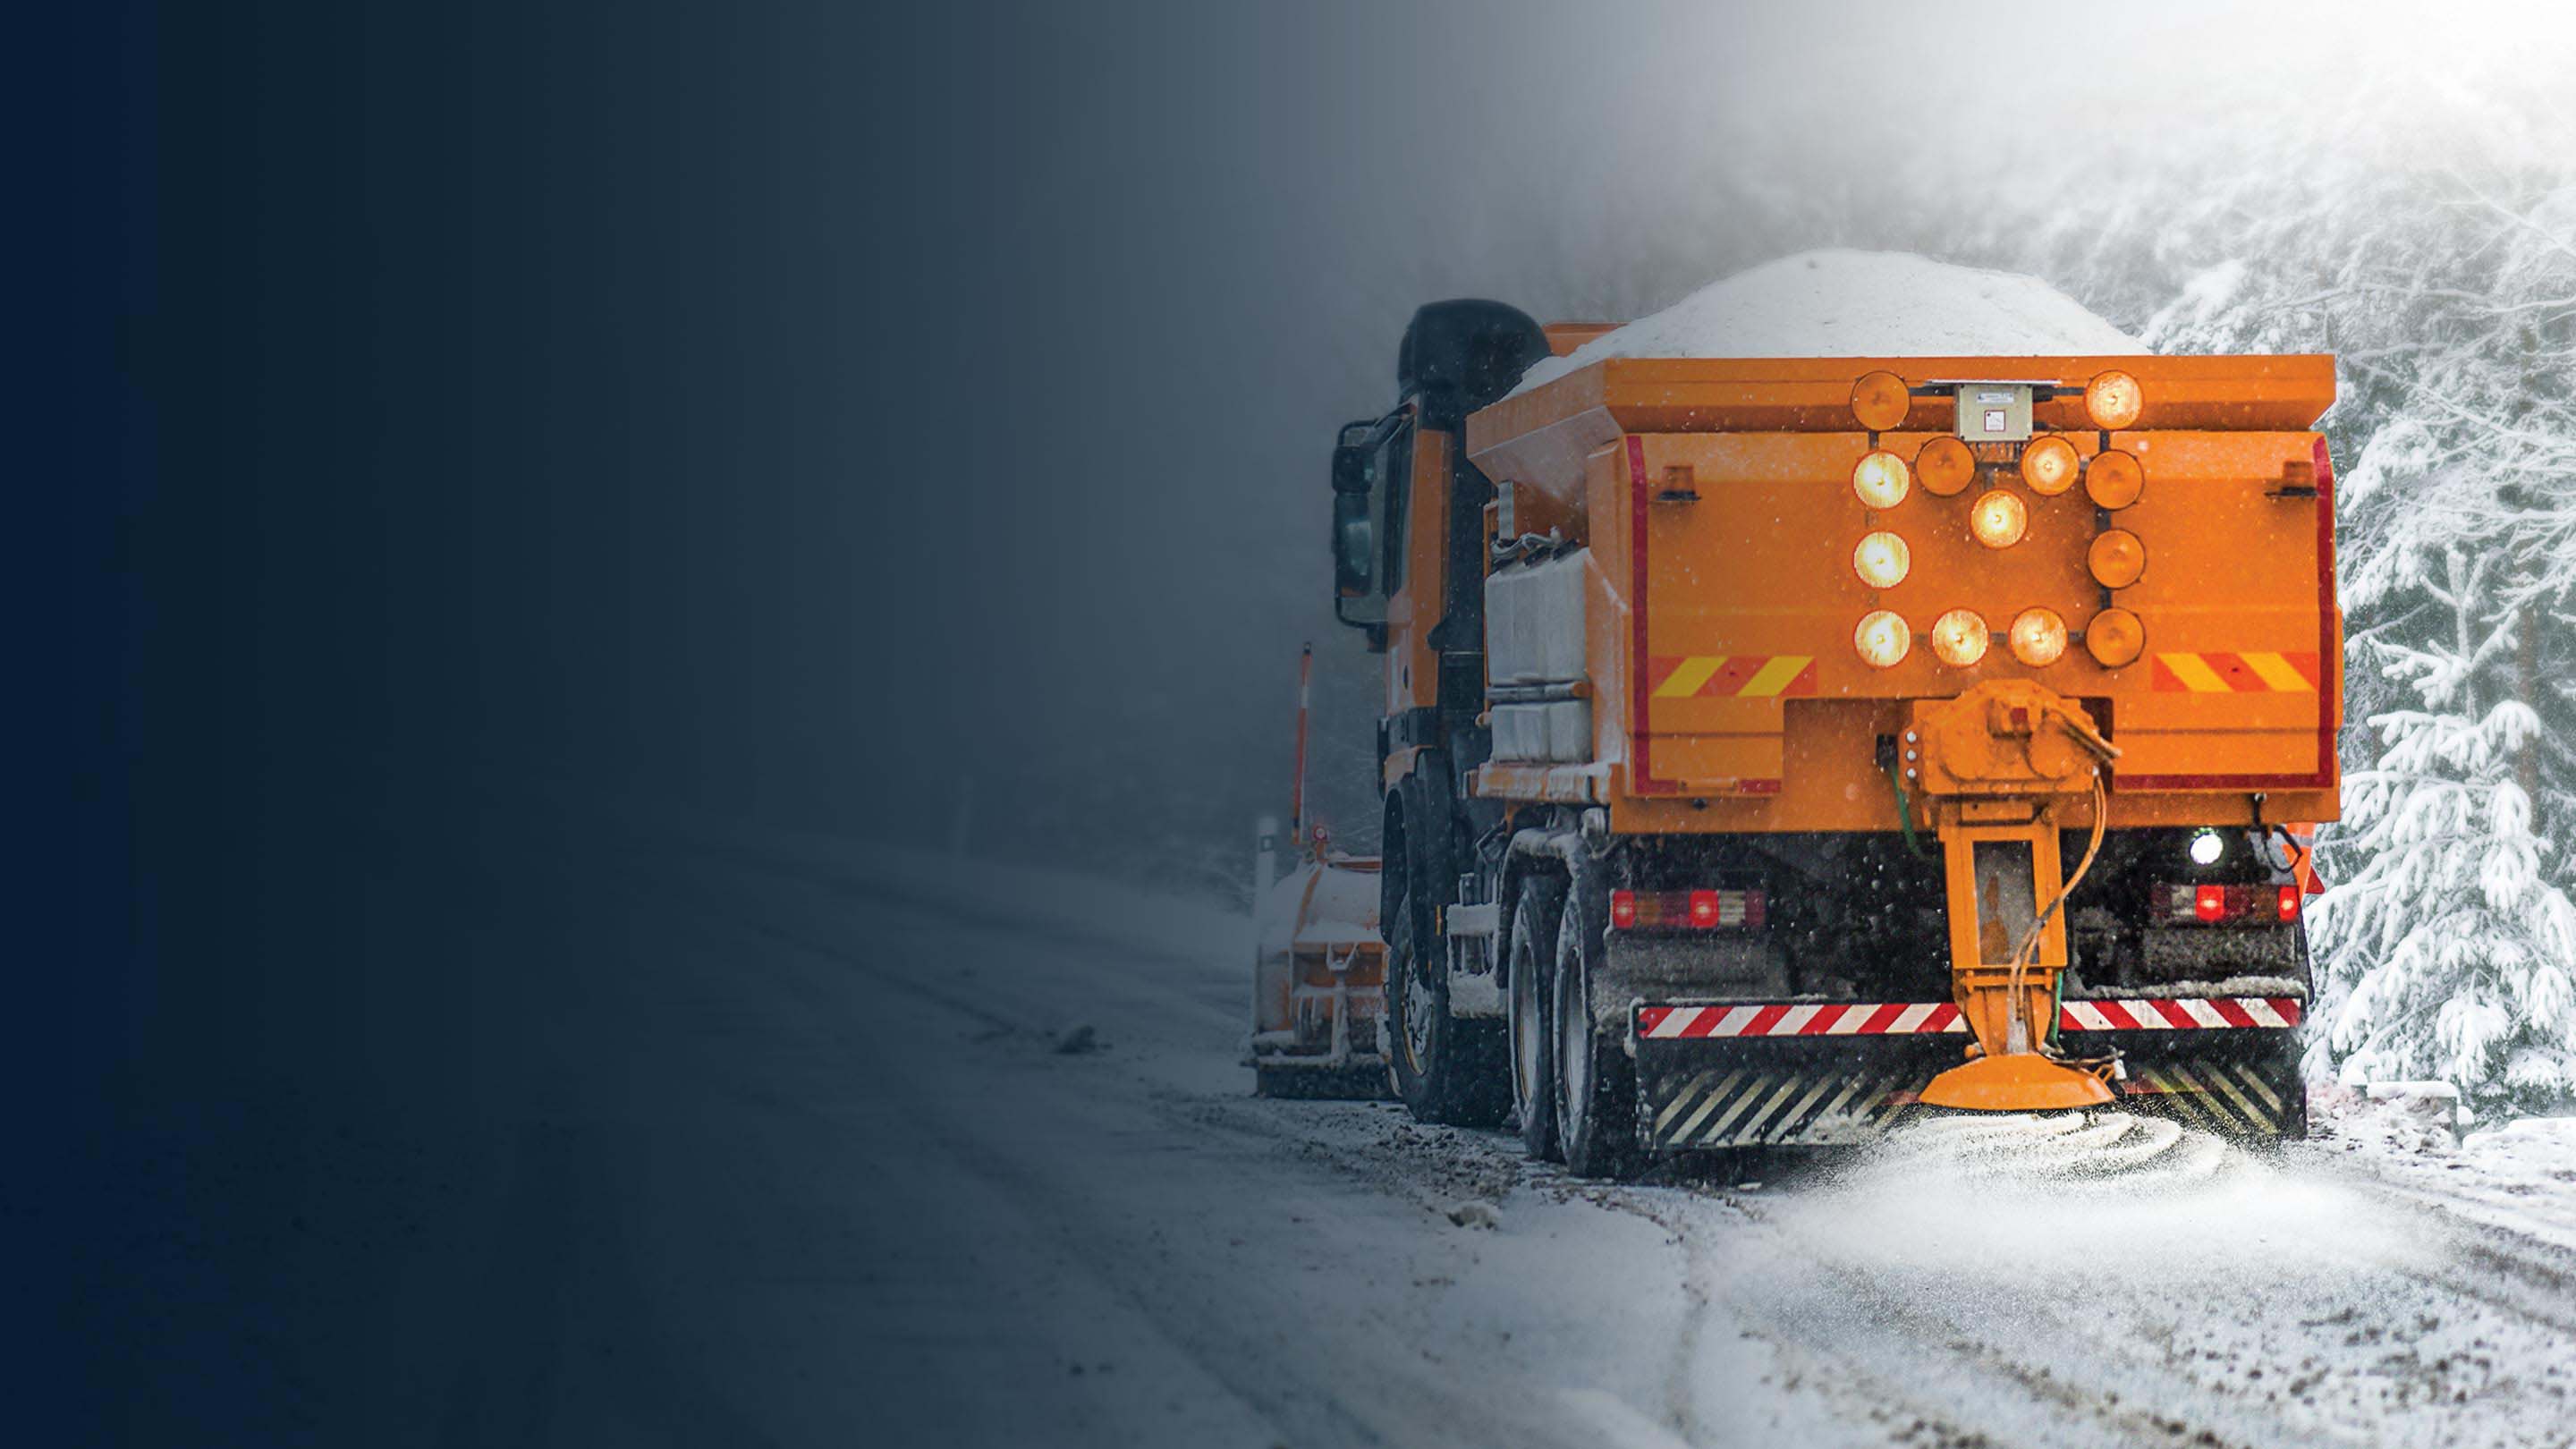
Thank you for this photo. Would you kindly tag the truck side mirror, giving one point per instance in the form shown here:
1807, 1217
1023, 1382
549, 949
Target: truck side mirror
1354, 542
1351, 468
1360, 576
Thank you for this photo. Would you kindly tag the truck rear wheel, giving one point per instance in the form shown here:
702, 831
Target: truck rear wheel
1446, 1070
1596, 1083
1533, 1040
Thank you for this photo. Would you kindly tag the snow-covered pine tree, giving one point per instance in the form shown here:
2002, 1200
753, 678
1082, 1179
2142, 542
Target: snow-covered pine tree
2447, 953
2432, 247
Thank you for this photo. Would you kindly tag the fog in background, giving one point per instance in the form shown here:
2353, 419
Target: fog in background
894, 425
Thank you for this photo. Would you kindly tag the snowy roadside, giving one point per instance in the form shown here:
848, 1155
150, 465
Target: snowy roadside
2519, 1176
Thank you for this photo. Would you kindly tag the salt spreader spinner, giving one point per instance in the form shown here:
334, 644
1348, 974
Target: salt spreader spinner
1775, 747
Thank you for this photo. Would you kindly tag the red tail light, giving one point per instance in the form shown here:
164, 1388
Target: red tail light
2225, 905
1700, 910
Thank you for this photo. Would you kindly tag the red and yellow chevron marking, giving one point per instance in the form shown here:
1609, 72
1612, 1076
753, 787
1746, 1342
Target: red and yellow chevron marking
2249, 673
1733, 676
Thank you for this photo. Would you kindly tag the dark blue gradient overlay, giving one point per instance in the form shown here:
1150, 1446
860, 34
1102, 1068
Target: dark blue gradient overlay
474, 438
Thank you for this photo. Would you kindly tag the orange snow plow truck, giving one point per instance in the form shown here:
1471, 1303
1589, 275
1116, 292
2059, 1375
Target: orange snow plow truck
1774, 748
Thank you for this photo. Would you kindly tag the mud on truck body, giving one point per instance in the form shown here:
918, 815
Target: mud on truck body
1775, 748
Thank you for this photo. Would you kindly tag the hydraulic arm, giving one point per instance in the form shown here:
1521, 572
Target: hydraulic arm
2004, 765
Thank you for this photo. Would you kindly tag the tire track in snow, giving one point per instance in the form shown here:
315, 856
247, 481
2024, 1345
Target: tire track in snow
2521, 1273
1826, 1360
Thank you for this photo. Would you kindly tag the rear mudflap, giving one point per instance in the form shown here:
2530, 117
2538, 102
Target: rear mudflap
2235, 1083
1762, 1091
1762, 1074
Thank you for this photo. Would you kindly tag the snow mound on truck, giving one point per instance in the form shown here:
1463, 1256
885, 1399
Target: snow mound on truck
1858, 304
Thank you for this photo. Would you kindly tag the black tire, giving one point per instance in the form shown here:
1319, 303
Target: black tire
1446, 1070
1529, 1026
1596, 1083
1413, 1015
2292, 1078
2284, 1069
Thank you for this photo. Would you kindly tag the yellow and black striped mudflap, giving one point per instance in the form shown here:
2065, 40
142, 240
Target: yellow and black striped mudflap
1705, 1093
2242, 1084
1748, 1074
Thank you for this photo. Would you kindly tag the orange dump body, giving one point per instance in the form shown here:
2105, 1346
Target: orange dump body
1720, 596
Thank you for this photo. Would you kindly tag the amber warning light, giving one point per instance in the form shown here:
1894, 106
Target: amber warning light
2113, 400
1960, 637
2038, 637
1880, 481
2049, 466
1882, 560
1883, 638
1998, 519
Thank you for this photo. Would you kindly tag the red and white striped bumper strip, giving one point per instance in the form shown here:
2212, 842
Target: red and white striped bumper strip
2189, 1013
1894, 1018
1919, 1018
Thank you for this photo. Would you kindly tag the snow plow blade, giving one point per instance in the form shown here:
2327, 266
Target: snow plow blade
1747, 1074
1319, 984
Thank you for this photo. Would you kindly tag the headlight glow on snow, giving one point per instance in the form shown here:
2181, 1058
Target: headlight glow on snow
2116, 559
2206, 847
2049, 466
2114, 638
1883, 638
1998, 519
2038, 637
1946, 466
1880, 479
2115, 480
1880, 401
1882, 560
2113, 400
1960, 637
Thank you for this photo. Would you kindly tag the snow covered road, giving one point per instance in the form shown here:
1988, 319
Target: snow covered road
831, 1159
1025, 1244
